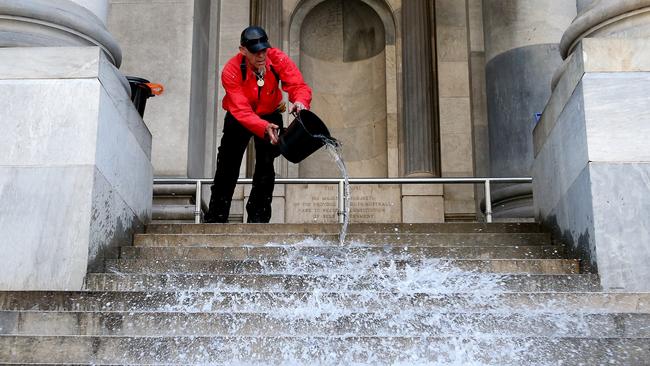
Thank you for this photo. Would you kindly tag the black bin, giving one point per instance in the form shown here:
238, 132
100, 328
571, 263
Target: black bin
306, 134
141, 90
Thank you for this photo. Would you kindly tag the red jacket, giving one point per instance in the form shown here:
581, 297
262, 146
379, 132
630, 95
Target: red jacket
242, 98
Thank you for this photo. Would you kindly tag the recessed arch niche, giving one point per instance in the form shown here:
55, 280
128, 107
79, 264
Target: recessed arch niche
346, 51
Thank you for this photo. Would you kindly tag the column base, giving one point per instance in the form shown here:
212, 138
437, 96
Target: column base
75, 171
592, 163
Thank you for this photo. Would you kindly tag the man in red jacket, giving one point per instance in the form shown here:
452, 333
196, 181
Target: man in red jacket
253, 102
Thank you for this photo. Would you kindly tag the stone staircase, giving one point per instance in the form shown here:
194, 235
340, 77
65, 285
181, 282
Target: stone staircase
285, 294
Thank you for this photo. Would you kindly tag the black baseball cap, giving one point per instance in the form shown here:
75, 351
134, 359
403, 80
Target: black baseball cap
254, 38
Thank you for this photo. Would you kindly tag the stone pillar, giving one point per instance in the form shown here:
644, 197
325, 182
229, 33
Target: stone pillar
57, 23
234, 17
268, 15
75, 155
521, 47
420, 130
75, 170
592, 163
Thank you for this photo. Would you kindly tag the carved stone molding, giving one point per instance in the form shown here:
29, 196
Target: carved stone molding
600, 14
54, 23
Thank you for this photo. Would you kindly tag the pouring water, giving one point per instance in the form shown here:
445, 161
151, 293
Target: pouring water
302, 138
334, 148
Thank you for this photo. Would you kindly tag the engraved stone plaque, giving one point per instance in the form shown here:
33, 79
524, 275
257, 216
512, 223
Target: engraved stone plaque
318, 203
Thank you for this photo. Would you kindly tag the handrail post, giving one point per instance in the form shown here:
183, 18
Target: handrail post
341, 201
197, 206
488, 202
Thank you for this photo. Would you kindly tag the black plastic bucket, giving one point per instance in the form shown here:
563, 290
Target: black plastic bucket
303, 137
140, 92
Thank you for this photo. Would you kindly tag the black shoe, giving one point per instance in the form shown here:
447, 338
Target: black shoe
257, 220
218, 211
214, 219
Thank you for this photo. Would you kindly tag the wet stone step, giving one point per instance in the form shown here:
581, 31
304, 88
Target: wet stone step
326, 350
247, 301
388, 252
530, 266
420, 239
335, 228
323, 323
429, 282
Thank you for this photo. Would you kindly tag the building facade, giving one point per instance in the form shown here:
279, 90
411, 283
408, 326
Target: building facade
402, 85
418, 88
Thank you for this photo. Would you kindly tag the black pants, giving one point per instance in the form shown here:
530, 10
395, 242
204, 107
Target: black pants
231, 151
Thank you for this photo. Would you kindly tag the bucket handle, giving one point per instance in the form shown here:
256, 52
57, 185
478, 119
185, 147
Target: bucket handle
329, 139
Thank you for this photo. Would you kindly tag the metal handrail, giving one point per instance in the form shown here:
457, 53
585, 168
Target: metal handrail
341, 184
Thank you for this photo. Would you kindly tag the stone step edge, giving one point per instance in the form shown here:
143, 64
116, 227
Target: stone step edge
350, 247
423, 312
348, 235
341, 337
298, 240
255, 292
587, 302
415, 261
334, 227
275, 253
176, 265
500, 276
393, 249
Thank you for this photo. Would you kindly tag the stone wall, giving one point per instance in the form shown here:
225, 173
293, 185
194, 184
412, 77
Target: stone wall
361, 100
456, 155
165, 42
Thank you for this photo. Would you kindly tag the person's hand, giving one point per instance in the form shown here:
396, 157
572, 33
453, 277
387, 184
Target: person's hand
272, 133
296, 107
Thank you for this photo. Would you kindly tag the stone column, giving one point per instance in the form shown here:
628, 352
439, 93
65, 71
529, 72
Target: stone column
234, 17
521, 47
592, 163
268, 15
80, 187
57, 23
420, 130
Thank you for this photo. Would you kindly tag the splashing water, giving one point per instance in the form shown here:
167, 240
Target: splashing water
333, 146
362, 305
365, 304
